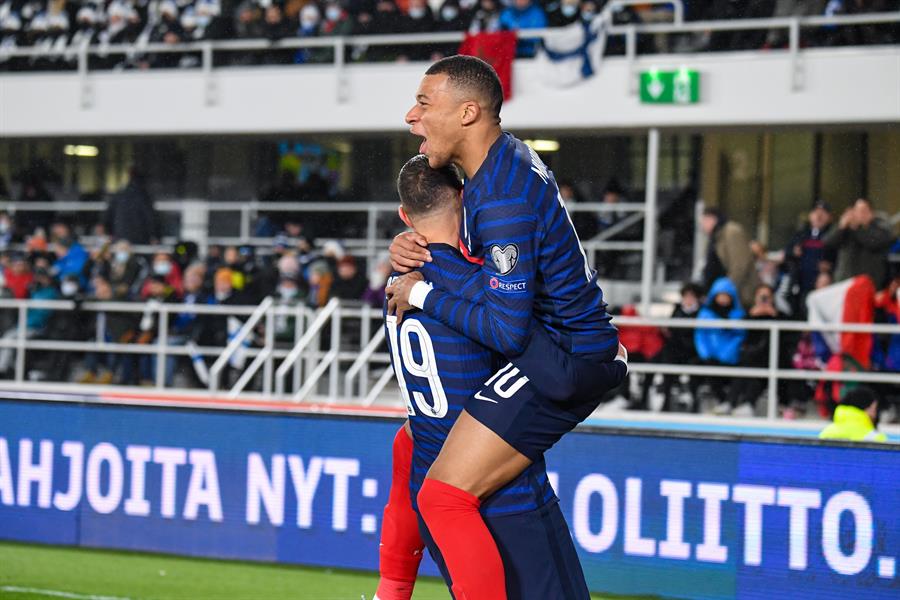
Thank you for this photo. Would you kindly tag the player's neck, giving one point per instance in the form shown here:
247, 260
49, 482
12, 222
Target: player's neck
476, 148
441, 236
439, 230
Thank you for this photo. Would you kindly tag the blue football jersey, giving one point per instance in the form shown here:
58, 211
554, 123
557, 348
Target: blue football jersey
438, 370
534, 266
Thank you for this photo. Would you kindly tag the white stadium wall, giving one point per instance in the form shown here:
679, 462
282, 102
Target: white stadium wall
839, 86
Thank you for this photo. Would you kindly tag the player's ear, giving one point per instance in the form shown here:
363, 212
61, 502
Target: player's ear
471, 112
404, 217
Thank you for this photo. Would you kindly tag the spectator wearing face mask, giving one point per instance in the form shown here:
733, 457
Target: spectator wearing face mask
720, 347
164, 267
336, 20
453, 17
126, 272
679, 348
157, 292
744, 392
310, 24
418, 19
562, 13
67, 326
287, 295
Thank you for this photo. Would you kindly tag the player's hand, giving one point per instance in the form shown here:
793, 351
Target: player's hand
398, 293
622, 354
409, 250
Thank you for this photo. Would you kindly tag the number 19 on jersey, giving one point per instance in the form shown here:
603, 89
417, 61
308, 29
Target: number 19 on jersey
426, 367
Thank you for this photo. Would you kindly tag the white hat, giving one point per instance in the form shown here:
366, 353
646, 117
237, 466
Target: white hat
209, 8
58, 20
189, 19
38, 23
117, 9
86, 13
11, 22
168, 7
310, 11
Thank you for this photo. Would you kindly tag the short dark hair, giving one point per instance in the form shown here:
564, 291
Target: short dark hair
764, 286
476, 76
692, 288
713, 211
423, 189
861, 397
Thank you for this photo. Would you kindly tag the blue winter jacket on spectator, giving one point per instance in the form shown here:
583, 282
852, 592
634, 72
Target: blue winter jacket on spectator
514, 19
72, 263
721, 345
39, 317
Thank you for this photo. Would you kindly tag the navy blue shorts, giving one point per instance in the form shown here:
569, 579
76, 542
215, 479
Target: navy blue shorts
544, 393
538, 554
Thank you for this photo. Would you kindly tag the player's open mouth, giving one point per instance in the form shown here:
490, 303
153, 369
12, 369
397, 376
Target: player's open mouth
423, 147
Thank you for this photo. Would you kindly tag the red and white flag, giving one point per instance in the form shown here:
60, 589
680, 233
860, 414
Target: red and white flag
498, 49
849, 301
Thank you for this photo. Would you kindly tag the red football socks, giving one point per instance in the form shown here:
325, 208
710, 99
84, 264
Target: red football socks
401, 544
464, 540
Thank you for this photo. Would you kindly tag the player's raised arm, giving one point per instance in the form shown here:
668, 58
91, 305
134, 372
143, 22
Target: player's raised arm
501, 319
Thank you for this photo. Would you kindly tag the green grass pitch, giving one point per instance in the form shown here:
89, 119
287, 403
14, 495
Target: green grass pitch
42, 572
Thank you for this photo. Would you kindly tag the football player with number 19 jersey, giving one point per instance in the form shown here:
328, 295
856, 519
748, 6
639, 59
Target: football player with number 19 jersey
438, 370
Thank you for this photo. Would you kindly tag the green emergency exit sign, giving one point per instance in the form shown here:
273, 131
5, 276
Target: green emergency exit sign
670, 87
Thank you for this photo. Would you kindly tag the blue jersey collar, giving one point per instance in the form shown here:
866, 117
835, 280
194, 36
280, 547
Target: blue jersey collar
487, 166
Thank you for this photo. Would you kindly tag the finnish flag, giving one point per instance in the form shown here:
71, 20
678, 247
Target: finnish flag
571, 54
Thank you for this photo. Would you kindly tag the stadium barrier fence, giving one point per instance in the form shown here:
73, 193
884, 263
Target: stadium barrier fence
671, 515
346, 339
194, 217
208, 49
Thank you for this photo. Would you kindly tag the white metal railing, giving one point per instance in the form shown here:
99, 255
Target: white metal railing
208, 49
310, 360
235, 343
332, 309
370, 246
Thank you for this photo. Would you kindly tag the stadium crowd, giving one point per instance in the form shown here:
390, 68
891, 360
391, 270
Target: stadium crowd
62, 27
741, 281
47, 258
